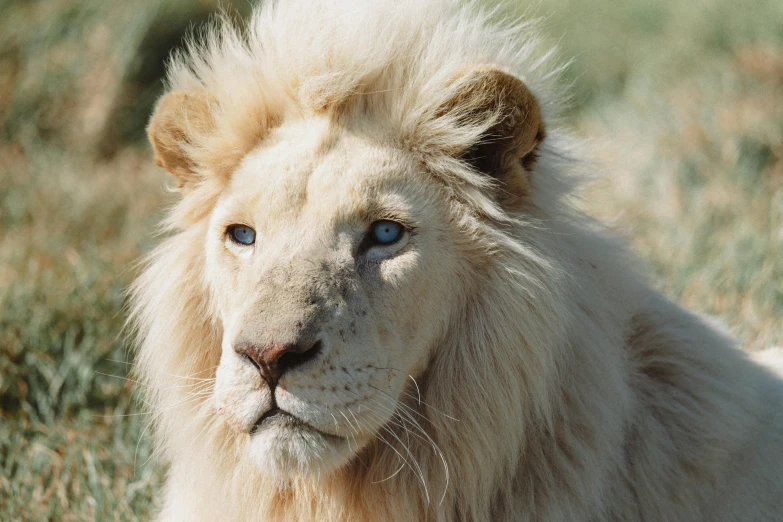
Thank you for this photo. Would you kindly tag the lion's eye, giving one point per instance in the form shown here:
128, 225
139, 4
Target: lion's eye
386, 232
241, 234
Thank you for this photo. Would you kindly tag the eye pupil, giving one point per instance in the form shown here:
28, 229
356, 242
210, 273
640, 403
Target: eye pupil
387, 232
242, 234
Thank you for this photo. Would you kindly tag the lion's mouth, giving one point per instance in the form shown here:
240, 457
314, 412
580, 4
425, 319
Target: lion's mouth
278, 417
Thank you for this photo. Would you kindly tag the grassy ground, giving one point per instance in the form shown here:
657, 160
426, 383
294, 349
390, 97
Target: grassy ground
683, 103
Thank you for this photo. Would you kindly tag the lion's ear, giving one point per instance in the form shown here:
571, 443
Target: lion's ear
508, 150
180, 122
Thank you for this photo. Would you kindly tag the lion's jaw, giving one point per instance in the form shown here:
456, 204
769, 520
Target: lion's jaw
311, 191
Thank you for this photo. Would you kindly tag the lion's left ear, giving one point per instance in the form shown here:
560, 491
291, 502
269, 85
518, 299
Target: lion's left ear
508, 150
180, 122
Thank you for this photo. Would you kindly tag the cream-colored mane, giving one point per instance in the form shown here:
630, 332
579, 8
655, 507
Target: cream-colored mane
544, 379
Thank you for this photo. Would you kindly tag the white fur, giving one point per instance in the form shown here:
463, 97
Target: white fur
535, 375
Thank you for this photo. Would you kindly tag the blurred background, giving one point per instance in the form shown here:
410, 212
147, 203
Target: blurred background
682, 103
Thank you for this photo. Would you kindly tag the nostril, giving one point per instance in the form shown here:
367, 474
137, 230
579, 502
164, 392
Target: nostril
249, 352
294, 358
250, 360
276, 358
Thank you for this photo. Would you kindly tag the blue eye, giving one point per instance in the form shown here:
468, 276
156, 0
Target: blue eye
242, 234
386, 232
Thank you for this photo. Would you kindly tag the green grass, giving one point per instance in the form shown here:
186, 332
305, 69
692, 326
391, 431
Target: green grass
683, 105
72, 228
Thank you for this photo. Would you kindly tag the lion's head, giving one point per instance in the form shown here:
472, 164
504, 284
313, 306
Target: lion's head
347, 241
336, 263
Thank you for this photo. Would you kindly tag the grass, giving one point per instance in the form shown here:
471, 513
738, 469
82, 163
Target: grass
682, 103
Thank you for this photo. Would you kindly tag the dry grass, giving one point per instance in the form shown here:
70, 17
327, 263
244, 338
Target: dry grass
683, 104
72, 228
695, 179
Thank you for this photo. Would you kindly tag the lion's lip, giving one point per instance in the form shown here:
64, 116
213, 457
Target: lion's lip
272, 413
276, 415
281, 418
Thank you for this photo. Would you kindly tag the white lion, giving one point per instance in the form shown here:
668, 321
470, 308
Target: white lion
377, 302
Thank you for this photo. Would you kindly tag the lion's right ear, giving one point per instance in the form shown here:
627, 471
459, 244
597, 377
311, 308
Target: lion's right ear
508, 149
180, 122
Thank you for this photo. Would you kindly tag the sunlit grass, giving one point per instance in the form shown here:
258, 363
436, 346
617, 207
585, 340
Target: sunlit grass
72, 229
694, 176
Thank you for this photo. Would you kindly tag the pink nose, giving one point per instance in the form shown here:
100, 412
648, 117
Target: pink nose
275, 359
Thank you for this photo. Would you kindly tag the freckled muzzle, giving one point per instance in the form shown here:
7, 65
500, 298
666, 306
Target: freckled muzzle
289, 336
308, 367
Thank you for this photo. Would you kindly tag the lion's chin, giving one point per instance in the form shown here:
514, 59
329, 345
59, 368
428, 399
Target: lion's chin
286, 448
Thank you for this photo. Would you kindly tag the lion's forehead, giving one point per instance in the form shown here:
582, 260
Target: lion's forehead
315, 172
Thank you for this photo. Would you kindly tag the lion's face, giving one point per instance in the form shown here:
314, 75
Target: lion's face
329, 259
340, 250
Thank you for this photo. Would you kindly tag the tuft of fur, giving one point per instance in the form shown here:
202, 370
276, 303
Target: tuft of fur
579, 392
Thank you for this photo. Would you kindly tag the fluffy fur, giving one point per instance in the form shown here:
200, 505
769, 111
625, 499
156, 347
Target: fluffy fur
504, 362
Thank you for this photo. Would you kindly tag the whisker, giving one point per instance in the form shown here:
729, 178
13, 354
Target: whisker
412, 463
418, 391
415, 412
417, 398
134, 381
381, 419
413, 458
402, 466
356, 443
423, 432
118, 361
